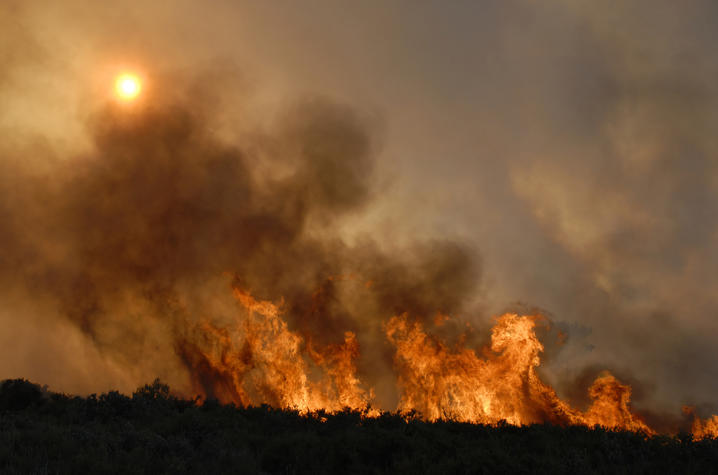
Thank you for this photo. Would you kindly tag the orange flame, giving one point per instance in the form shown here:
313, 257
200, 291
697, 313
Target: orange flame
259, 360
702, 429
457, 384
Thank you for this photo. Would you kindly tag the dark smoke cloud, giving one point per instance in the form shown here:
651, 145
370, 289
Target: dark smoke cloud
128, 239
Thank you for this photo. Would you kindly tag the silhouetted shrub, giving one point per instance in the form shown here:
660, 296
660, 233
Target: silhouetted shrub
155, 391
155, 432
16, 394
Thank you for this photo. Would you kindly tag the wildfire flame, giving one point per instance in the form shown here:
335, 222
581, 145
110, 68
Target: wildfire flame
261, 361
702, 429
457, 384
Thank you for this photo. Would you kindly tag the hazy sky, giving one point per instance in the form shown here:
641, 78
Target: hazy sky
570, 144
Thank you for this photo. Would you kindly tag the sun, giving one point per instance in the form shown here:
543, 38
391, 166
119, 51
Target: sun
128, 86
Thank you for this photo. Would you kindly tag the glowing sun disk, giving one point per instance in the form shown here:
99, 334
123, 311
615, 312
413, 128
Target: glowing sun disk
128, 86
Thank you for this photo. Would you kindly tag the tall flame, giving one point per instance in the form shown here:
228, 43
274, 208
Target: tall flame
259, 360
702, 429
457, 384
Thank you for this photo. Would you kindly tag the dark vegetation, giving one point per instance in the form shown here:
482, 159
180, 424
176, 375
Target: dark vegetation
155, 432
